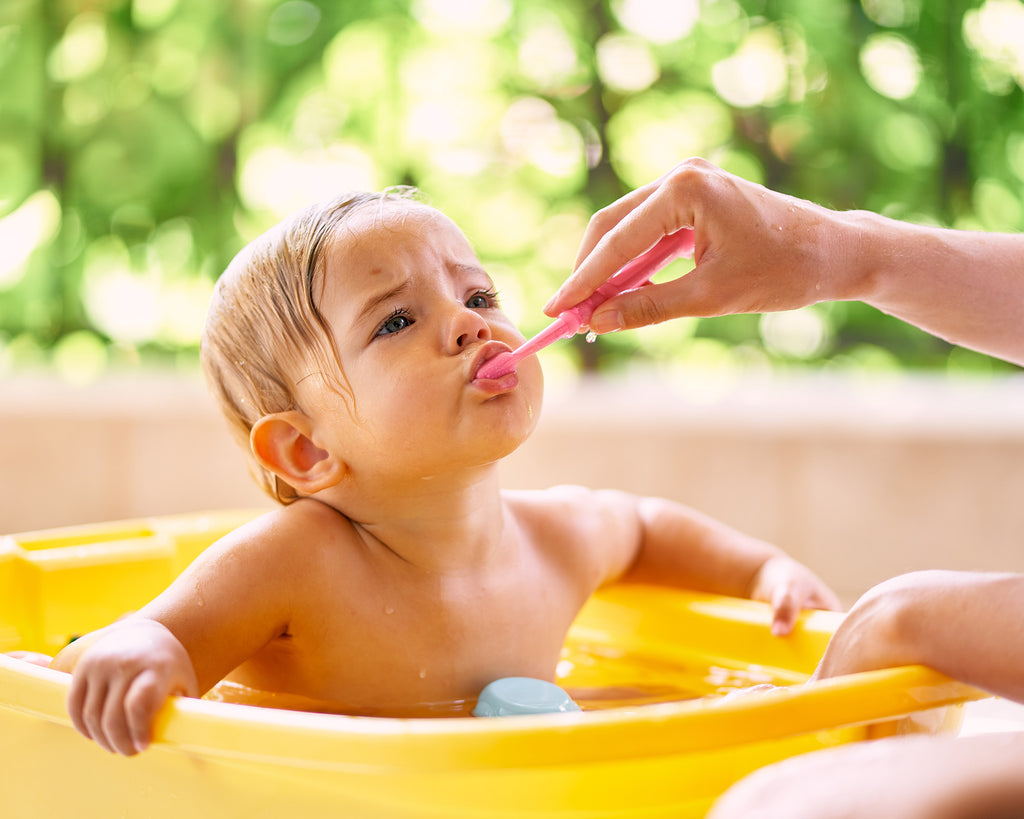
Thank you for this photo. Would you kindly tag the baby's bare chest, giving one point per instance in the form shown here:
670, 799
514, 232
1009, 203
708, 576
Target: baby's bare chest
398, 649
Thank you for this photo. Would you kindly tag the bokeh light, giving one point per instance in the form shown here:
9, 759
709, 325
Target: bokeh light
893, 13
481, 17
82, 49
626, 63
757, 74
656, 20
547, 55
532, 132
995, 31
25, 231
653, 131
800, 334
891, 66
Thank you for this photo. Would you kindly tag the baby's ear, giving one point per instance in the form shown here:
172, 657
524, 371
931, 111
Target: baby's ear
283, 443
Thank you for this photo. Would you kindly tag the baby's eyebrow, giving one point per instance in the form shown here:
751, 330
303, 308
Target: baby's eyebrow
472, 270
372, 303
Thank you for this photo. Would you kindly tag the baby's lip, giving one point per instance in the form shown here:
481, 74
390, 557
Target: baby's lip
486, 353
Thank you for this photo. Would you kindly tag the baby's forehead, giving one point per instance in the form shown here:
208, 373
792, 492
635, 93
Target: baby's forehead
385, 231
394, 241
398, 215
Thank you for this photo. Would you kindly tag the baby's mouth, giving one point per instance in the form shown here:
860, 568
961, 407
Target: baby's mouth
483, 361
498, 367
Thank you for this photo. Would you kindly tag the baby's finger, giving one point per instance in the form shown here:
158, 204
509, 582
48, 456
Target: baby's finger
824, 598
33, 657
785, 610
77, 695
93, 707
115, 721
142, 701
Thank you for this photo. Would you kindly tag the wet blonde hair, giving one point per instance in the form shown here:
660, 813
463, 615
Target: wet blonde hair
264, 331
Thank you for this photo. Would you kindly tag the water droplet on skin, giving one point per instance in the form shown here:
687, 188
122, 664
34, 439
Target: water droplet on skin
591, 337
423, 673
389, 609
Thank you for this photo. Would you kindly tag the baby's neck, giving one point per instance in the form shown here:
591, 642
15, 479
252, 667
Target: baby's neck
451, 524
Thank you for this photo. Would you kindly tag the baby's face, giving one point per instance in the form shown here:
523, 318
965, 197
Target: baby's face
414, 316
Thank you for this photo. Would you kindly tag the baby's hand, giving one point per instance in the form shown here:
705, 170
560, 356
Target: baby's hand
121, 679
790, 586
33, 657
744, 693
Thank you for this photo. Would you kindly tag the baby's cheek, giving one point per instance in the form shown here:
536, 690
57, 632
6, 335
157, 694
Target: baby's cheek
532, 376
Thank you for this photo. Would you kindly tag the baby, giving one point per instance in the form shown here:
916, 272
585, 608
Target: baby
343, 346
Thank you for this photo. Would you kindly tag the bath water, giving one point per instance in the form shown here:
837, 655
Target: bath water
597, 677
600, 677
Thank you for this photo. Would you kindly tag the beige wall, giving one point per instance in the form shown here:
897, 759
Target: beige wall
860, 480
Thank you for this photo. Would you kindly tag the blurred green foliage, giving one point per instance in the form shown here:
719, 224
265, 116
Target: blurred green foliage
142, 143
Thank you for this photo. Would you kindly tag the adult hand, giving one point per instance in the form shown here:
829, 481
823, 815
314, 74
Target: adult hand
756, 250
964, 624
761, 251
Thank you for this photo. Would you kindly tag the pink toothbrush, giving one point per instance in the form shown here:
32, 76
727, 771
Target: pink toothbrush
638, 272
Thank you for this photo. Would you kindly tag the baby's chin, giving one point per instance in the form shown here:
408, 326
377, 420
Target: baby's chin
499, 446
493, 455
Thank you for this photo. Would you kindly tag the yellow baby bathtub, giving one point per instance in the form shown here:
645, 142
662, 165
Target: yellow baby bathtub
635, 759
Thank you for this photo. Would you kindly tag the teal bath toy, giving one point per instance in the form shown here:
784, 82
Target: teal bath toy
512, 696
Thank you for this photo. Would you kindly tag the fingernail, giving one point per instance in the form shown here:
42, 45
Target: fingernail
551, 301
609, 321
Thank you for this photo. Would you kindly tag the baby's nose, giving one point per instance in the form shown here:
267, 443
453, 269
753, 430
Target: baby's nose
481, 333
469, 327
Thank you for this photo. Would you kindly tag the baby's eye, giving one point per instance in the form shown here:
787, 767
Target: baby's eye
397, 321
482, 299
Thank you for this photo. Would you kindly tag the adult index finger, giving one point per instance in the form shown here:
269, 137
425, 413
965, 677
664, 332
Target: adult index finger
620, 233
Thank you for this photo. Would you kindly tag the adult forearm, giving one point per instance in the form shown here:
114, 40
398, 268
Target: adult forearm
963, 286
980, 777
983, 777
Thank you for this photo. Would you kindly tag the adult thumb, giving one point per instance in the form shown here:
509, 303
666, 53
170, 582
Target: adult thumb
651, 304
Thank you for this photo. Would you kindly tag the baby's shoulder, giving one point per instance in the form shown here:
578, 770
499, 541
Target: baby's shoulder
592, 533
301, 533
568, 496
571, 508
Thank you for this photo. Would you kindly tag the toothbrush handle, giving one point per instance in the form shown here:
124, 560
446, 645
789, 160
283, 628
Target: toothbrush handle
569, 321
632, 275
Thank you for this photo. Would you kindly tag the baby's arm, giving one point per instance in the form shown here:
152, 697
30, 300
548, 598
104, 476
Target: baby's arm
966, 625
228, 604
681, 547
